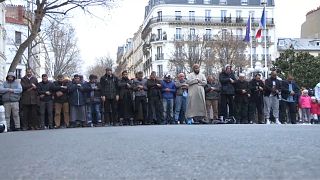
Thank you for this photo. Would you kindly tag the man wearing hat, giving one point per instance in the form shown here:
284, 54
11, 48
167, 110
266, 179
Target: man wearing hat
11, 92
168, 91
242, 94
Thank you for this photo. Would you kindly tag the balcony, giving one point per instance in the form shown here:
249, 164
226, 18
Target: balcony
178, 37
159, 56
203, 20
207, 37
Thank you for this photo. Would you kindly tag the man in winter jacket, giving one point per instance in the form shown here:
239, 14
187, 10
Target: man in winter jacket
61, 101
212, 90
77, 100
168, 91
140, 101
242, 99
93, 101
181, 99
45, 91
290, 96
11, 92
29, 101
227, 80
110, 96
256, 87
155, 99
126, 111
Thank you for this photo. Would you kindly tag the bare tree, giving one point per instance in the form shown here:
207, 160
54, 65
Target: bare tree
49, 8
62, 53
99, 68
229, 49
189, 52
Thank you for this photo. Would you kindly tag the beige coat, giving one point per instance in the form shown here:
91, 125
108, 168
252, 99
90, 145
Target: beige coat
196, 105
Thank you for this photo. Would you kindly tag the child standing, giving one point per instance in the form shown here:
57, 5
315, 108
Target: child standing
305, 105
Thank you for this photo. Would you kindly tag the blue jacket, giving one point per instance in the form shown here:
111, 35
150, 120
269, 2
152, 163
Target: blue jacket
11, 96
171, 85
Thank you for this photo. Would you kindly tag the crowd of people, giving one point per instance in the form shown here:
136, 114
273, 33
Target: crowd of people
111, 100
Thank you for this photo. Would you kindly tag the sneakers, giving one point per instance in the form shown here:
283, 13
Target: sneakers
267, 121
277, 121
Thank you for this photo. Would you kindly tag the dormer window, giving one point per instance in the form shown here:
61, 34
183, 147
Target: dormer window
191, 1
281, 42
244, 2
206, 1
223, 2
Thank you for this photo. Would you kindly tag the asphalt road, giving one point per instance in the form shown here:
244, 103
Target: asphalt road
163, 152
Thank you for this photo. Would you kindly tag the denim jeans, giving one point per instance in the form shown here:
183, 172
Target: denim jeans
167, 110
180, 108
94, 109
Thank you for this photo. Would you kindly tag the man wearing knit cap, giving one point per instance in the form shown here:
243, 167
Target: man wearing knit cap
227, 80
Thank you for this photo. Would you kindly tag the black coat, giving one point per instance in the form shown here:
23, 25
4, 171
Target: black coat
226, 86
109, 86
270, 88
125, 91
255, 92
42, 88
153, 89
78, 93
57, 88
240, 95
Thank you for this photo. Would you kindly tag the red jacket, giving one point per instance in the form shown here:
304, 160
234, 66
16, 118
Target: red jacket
315, 108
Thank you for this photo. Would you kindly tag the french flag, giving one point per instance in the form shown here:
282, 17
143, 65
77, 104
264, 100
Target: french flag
262, 24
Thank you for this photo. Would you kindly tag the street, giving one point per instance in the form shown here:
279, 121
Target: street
163, 152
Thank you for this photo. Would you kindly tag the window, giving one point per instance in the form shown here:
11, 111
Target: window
238, 12
191, 16
192, 34
18, 73
244, 2
317, 43
18, 37
192, 51
160, 70
223, 2
159, 18
178, 15
224, 34
208, 34
251, 13
159, 35
206, 1
178, 34
223, 15
239, 33
191, 1
179, 51
207, 15
159, 55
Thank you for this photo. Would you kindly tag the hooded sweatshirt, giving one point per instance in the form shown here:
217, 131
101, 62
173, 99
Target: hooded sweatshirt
7, 85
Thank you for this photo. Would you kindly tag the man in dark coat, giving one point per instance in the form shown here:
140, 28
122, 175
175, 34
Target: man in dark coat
93, 102
29, 101
290, 95
212, 90
126, 111
140, 101
45, 90
61, 102
77, 100
110, 96
256, 87
242, 99
155, 99
227, 80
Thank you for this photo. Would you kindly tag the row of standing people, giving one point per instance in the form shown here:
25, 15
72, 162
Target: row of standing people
117, 100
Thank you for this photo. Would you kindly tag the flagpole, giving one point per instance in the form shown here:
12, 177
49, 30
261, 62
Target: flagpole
251, 60
265, 39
